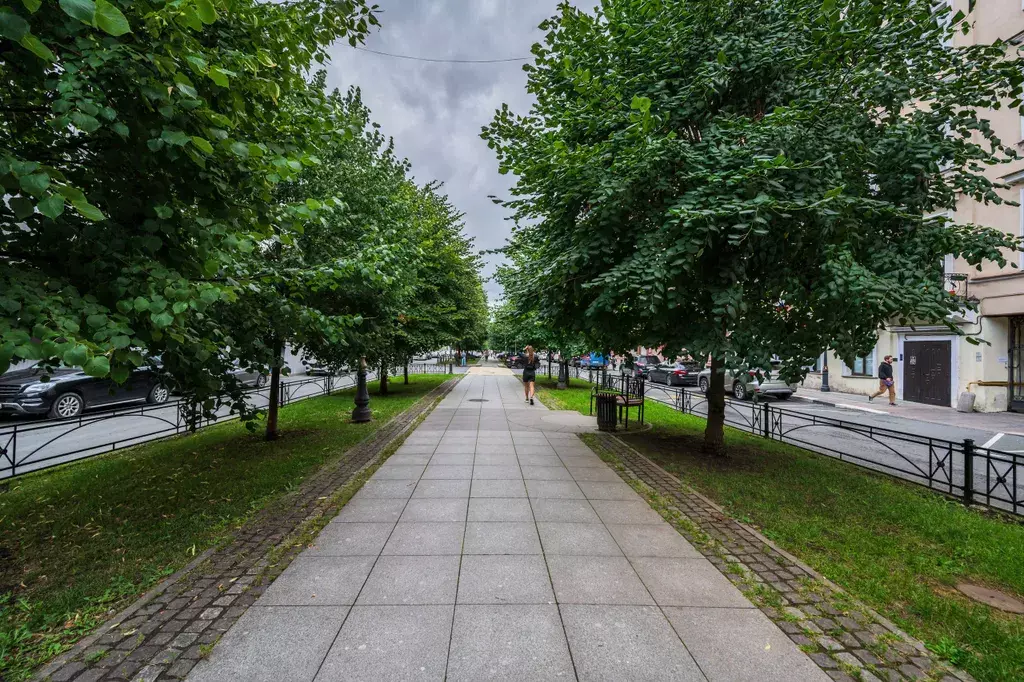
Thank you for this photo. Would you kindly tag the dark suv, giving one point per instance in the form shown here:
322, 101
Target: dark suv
70, 391
644, 363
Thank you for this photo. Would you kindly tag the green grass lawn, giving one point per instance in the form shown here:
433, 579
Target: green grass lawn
897, 547
79, 541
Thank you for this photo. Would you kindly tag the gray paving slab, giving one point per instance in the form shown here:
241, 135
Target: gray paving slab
566, 490
379, 488
415, 449
596, 474
626, 511
390, 643
452, 460
442, 488
617, 490
273, 644
539, 460
441, 509
500, 509
688, 582
509, 642
371, 509
501, 537
406, 460
550, 509
498, 488
507, 459
638, 540
596, 580
636, 643
319, 581
399, 472
447, 472
546, 473
741, 645
505, 579
577, 539
411, 580
351, 539
415, 538
490, 472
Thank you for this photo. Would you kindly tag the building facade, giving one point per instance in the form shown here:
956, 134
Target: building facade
932, 365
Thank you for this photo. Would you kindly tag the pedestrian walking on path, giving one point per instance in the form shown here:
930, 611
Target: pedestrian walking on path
885, 381
529, 374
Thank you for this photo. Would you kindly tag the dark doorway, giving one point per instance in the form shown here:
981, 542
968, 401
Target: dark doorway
926, 372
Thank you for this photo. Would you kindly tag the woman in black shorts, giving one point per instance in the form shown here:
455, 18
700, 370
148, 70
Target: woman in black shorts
529, 374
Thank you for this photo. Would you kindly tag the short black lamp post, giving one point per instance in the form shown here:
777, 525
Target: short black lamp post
362, 414
824, 374
563, 373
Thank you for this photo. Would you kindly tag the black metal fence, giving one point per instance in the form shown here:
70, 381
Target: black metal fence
961, 469
39, 444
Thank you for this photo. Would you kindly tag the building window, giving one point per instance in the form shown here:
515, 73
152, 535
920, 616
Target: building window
862, 367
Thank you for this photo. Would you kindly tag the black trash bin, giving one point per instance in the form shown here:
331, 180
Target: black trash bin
607, 407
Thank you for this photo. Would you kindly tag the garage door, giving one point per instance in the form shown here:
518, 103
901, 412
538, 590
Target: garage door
926, 372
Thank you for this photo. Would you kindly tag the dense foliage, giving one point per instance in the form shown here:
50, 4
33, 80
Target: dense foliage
751, 178
177, 186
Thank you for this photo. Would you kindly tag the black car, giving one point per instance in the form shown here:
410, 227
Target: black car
644, 363
70, 391
674, 373
515, 361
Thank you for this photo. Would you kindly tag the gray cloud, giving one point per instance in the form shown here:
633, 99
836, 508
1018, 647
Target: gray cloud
435, 111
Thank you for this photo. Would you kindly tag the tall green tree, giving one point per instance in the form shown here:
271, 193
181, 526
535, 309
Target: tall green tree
752, 178
140, 148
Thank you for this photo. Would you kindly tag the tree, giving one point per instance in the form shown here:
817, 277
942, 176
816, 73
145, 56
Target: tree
751, 178
140, 146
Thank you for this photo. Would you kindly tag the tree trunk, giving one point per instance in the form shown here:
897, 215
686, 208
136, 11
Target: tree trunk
383, 379
714, 432
405, 373
275, 394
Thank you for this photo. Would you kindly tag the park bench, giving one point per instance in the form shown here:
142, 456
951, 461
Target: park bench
628, 392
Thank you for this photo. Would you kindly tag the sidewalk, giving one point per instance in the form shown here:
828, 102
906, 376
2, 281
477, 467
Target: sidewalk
1005, 422
496, 545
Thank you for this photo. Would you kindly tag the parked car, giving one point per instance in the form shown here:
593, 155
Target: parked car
249, 377
69, 391
643, 364
593, 360
515, 361
674, 373
748, 385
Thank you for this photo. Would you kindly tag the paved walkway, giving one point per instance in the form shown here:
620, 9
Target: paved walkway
496, 545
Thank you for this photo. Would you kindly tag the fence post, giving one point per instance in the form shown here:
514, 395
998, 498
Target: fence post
765, 415
968, 471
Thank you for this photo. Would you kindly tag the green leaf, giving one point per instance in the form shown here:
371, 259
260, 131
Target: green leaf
120, 128
120, 374
32, 5
96, 320
203, 144
83, 10
76, 357
218, 76
179, 307
97, 367
85, 122
23, 207
34, 184
121, 341
240, 149
88, 211
174, 137
52, 206
163, 212
36, 47
140, 304
207, 12
110, 20
12, 26
162, 320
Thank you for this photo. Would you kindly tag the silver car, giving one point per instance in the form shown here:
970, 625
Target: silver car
751, 387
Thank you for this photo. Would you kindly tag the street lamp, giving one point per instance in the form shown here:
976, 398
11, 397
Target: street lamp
824, 374
362, 414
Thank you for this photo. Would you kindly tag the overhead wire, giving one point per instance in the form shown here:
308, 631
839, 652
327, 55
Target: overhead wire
443, 61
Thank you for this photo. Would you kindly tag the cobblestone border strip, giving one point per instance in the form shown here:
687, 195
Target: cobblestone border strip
845, 638
165, 633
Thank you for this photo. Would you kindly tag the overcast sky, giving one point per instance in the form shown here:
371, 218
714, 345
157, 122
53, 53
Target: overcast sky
435, 111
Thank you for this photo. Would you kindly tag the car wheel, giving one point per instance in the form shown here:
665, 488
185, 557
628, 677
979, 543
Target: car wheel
739, 390
158, 395
261, 380
783, 396
66, 406
703, 385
